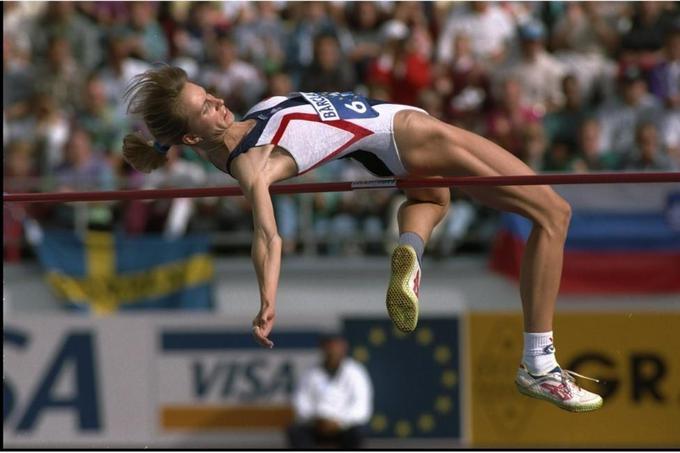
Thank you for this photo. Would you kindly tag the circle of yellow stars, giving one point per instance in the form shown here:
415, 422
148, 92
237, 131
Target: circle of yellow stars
443, 404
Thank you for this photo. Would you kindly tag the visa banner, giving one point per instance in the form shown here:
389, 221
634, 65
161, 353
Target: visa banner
623, 238
214, 380
106, 272
633, 354
132, 381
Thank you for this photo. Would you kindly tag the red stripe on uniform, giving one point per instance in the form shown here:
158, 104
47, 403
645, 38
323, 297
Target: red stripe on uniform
357, 131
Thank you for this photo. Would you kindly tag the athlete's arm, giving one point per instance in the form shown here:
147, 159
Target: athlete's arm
255, 174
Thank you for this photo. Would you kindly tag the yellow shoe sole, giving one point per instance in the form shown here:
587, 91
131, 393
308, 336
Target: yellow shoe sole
402, 302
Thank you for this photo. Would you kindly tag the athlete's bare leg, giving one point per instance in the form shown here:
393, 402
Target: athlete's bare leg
429, 147
423, 210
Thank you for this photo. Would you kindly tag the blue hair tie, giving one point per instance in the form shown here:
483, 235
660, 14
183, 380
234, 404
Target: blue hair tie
161, 149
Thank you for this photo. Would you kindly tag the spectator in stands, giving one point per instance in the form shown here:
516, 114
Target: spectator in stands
17, 80
664, 81
463, 83
20, 175
60, 19
590, 156
582, 39
332, 401
239, 83
642, 44
539, 73
562, 124
172, 216
489, 27
559, 158
59, 75
145, 36
330, 70
198, 37
118, 69
400, 67
261, 36
84, 170
506, 121
364, 20
619, 116
97, 116
310, 19
535, 145
648, 152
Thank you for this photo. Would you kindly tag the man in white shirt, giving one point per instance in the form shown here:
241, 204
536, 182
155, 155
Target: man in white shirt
333, 400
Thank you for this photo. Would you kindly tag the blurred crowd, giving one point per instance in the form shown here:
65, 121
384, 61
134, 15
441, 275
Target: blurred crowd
565, 86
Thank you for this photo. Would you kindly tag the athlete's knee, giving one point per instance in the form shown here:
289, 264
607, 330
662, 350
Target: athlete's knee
558, 216
439, 196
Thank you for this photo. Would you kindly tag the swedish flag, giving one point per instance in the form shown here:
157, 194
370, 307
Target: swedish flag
416, 376
105, 271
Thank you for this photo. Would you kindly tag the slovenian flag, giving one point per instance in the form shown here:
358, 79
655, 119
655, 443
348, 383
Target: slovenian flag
622, 239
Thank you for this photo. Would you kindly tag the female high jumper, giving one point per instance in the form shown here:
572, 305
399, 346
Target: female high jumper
285, 136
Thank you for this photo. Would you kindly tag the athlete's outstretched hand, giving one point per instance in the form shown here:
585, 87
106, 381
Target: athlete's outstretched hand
262, 326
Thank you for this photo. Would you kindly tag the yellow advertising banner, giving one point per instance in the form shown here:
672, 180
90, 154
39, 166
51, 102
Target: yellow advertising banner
636, 357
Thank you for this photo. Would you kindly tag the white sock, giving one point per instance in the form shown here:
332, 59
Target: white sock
539, 352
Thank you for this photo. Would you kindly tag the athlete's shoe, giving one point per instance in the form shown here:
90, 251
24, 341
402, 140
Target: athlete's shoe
402, 293
558, 387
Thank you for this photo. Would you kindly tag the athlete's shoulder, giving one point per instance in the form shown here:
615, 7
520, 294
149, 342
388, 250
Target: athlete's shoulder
266, 104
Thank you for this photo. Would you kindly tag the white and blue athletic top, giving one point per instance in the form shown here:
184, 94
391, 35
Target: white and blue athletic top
318, 127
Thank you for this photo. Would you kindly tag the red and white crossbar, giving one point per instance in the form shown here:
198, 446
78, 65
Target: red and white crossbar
391, 183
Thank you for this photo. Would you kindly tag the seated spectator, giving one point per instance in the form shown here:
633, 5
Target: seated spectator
239, 83
633, 103
98, 117
84, 170
463, 83
641, 45
171, 216
59, 74
559, 158
364, 19
506, 120
664, 80
535, 146
117, 70
17, 80
60, 19
538, 71
582, 39
489, 27
563, 123
145, 36
648, 152
47, 127
400, 66
330, 70
590, 156
260, 35
19, 176
332, 401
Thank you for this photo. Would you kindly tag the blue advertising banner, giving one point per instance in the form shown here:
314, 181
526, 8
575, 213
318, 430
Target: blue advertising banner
105, 272
416, 377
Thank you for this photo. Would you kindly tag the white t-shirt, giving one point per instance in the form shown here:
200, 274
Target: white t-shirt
346, 397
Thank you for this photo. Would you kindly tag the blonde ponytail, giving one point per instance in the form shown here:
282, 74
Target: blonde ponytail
141, 154
155, 96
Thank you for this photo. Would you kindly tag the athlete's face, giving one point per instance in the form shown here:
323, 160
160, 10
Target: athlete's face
208, 116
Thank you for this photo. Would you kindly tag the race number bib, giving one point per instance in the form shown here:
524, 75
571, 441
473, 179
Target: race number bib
340, 106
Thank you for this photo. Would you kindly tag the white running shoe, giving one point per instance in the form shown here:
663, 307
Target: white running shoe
559, 387
402, 293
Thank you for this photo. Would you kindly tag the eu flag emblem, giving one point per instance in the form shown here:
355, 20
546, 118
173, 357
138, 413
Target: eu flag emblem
416, 377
